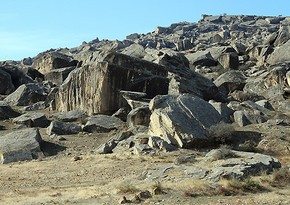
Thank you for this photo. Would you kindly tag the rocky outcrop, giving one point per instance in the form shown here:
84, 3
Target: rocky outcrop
20, 145
182, 120
7, 86
26, 94
103, 123
49, 61
6, 111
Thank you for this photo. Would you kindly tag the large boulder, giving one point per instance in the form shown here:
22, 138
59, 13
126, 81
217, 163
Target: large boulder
26, 94
47, 62
6, 111
95, 88
103, 123
33, 119
63, 128
57, 76
7, 86
203, 58
230, 81
182, 119
20, 145
280, 54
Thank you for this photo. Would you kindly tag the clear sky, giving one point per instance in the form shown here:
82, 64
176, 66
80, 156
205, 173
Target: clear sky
28, 27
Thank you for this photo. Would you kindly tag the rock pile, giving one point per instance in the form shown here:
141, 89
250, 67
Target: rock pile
158, 91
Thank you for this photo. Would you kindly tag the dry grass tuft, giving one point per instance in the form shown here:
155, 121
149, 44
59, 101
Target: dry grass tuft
127, 189
281, 177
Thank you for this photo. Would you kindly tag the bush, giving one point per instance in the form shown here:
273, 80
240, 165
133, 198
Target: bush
220, 132
281, 177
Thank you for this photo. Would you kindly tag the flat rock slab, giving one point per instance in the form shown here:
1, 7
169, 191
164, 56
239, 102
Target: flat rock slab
182, 120
63, 128
103, 123
32, 120
20, 145
70, 116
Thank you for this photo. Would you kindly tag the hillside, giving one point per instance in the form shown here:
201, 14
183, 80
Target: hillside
185, 114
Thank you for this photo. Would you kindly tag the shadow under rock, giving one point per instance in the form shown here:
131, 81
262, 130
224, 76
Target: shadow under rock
51, 149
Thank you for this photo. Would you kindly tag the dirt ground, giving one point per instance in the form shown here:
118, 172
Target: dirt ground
70, 172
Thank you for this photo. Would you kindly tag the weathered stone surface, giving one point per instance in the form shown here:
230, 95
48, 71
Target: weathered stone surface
230, 81
26, 94
242, 165
70, 116
225, 112
280, 54
95, 88
20, 145
182, 119
32, 120
63, 128
229, 61
46, 62
139, 116
160, 144
6, 111
41, 105
202, 58
103, 123
58, 76
7, 86
135, 99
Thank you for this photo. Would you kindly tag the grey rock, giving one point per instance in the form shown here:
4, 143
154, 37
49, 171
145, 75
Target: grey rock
229, 61
182, 119
20, 145
230, 81
36, 106
139, 116
160, 144
58, 76
63, 128
280, 54
6, 111
103, 123
241, 119
46, 62
26, 94
7, 86
222, 108
185, 159
32, 120
202, 58
113, 142
135, 50
242, 165
70, 116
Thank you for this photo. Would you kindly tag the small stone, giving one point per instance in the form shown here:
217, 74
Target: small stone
77, 158
124, 200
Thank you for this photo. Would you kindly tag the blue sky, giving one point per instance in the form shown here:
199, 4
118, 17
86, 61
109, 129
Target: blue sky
28, 27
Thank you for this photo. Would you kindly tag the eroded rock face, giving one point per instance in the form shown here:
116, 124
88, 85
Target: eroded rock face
95, 88
47, 62
182, 119
7, 86
20, 145
26, 94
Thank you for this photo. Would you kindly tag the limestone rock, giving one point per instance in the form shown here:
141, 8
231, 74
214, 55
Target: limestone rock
63, 128
182, 119
32, 120
103, 123
7, 86
280, 54
95, 88
139, 116
6, 111
202, 58
26, 94
47, 62
20, 145
229, 61
70, 116
59, 75
242, 165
